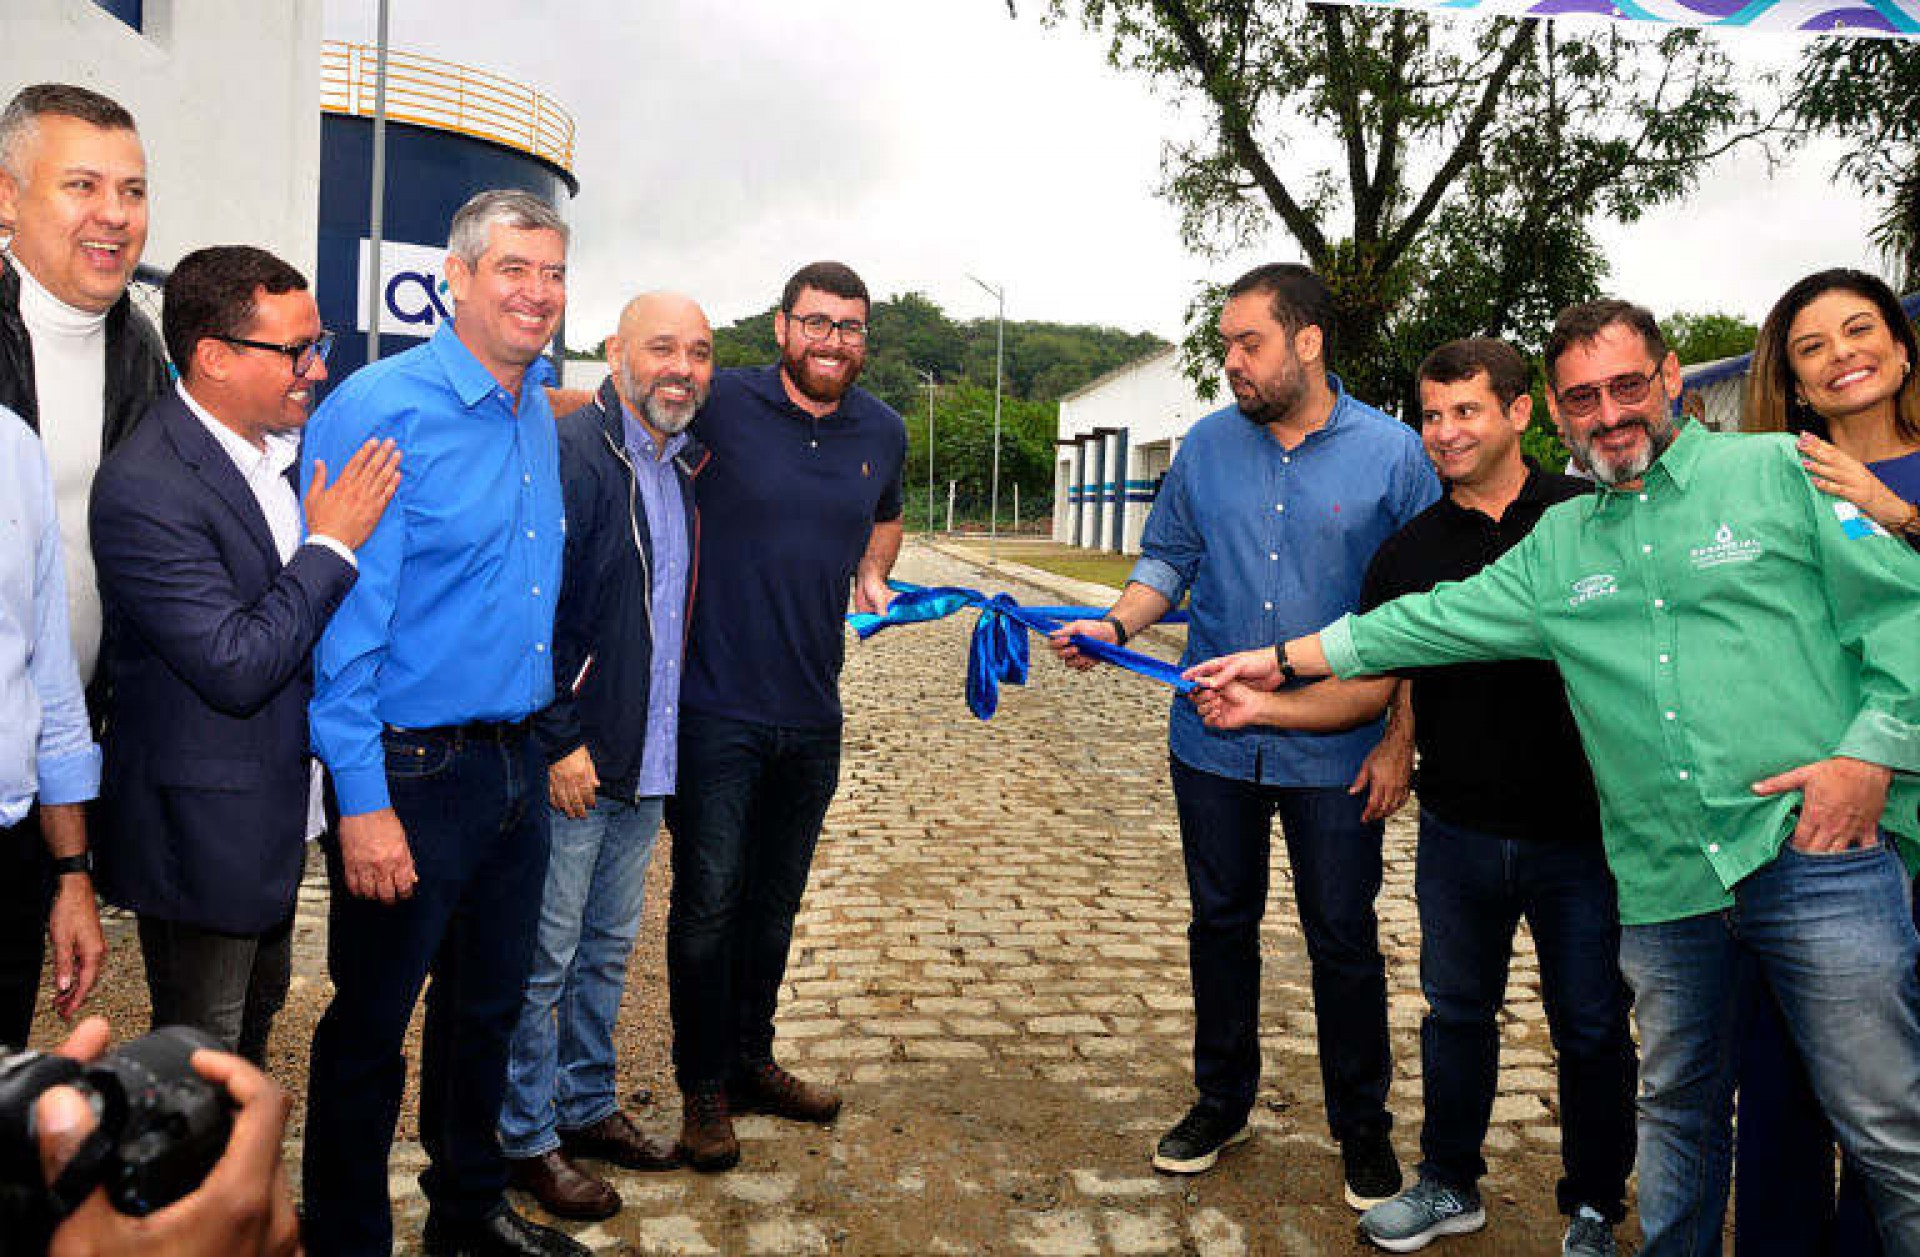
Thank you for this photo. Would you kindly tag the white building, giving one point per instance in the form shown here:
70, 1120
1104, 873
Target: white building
227, 97
1118, 435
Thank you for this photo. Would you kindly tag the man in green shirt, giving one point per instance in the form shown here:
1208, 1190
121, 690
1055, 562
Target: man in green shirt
1742, 654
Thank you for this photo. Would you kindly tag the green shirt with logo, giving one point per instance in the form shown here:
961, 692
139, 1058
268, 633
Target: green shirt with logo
1722, 623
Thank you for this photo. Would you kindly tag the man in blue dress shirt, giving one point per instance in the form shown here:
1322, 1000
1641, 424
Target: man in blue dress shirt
1269, 516
46, 747
423, 688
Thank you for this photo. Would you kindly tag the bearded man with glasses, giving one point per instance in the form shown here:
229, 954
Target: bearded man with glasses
217, 583
1739, 653
800, 508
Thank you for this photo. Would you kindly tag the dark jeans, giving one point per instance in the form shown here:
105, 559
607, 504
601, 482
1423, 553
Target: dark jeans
745, 818
26, 893
1226, 837
476, 820
1473, 888
229, 985
1784, 1203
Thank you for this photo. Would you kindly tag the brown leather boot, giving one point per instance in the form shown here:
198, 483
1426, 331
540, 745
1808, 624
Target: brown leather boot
563, 1188
615, 1139
764, 1087
707, 1141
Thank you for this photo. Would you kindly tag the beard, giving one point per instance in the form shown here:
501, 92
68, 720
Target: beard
798, 367
1629, 467
668, 418
1270, 401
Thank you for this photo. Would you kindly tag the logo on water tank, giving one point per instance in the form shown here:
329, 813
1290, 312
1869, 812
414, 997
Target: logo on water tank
413, 289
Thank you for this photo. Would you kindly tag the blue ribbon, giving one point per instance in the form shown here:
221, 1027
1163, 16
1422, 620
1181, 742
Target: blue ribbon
998, 652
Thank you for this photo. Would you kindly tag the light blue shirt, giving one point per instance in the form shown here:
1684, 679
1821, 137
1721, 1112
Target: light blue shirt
451, 620
1274, 544
666, 514
46, 747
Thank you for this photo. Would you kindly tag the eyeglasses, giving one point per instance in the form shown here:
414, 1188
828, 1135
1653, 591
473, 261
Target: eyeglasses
1626, 390
303, 353
816, 327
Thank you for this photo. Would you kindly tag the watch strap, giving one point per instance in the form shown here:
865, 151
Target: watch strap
82, 863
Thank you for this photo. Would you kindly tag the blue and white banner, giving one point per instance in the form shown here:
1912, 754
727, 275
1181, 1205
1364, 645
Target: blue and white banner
1885, 18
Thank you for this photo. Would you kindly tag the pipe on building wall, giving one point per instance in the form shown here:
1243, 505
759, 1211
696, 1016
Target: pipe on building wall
1119, 490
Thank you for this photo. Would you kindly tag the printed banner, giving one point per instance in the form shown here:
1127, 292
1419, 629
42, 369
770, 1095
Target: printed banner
1883, 18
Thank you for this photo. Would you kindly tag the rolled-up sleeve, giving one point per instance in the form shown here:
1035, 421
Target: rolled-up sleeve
1171, 547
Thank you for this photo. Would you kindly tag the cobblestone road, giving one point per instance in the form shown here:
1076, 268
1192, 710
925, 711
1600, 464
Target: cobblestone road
991, 961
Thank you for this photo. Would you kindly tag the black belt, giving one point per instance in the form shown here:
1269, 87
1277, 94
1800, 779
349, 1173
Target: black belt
503, 732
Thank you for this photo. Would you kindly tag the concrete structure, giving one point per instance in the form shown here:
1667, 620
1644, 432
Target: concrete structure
227, 95
1117, 437
452, 131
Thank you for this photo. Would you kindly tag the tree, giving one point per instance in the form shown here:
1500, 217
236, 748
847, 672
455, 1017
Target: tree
1867, 91
1470, 157
1698, 338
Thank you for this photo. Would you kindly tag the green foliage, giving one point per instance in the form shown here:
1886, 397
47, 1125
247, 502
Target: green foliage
1867, 92
1472, 157
1698, 338
911, 335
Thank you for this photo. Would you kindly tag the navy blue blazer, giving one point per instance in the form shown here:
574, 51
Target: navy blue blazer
203, 802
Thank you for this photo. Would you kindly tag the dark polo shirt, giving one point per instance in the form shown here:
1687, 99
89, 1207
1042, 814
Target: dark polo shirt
786, 508
1499, 751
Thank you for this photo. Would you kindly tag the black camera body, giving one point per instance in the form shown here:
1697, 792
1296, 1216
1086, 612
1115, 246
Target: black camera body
162, 1126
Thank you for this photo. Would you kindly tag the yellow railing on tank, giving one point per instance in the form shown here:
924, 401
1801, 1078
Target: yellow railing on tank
447, 96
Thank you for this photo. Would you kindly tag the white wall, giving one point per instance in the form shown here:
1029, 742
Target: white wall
227, 97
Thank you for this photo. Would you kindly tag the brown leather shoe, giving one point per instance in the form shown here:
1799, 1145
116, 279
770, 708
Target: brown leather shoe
563, 1188
616, 1140
707, 1140
764, 1087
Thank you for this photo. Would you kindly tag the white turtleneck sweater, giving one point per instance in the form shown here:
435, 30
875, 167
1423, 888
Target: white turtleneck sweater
70, 385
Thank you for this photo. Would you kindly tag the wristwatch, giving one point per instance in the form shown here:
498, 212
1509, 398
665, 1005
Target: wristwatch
82, 863
1287, 674
1119, 630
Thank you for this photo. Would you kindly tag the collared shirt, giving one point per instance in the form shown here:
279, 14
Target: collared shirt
1272, 543
451, 620
666, 516
265, 471
786, 509
1722, 623
1499, 752
46, 747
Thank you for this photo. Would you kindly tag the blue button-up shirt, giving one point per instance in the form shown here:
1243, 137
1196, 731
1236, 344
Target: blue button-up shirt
667, 528
451, 620
1273, 544
45, 746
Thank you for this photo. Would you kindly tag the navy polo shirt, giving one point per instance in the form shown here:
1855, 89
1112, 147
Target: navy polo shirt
786, 508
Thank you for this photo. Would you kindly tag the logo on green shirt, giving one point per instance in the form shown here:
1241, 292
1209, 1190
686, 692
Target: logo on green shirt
1726, 548
1598, 585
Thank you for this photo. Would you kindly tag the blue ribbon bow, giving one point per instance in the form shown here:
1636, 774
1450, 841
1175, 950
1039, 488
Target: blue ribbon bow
998, 652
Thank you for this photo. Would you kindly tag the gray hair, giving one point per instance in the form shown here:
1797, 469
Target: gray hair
502, 207
19, 121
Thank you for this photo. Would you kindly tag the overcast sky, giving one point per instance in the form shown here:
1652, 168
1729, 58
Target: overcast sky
723, 143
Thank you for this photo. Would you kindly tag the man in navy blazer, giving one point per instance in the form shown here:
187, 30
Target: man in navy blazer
210, 793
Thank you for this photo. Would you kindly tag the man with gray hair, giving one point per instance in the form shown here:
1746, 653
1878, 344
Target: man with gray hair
79, 364
425, 683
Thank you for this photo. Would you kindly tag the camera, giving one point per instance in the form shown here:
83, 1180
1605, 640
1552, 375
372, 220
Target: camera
161, 1128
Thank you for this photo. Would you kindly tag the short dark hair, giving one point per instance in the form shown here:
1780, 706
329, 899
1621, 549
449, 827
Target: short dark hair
835, 278
1584, 322
211, 294
1505, 367
54, 100
1299, 298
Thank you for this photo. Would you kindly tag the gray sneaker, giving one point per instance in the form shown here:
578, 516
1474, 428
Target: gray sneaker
1420, 1215
1588, 1235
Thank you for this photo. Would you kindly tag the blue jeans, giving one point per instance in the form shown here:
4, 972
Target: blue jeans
1226, 838
476, 821
745, 818
1473, 888
560, 1073
1783, 1155
1833, 938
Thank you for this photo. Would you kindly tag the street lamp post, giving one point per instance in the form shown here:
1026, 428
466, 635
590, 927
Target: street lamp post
999, 354
928, 381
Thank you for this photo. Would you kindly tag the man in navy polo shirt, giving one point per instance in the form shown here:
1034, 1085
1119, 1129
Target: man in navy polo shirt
1269, 514
800, 506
